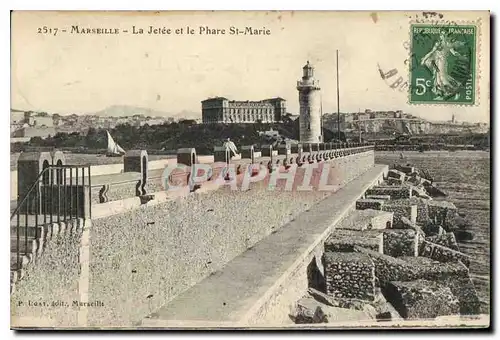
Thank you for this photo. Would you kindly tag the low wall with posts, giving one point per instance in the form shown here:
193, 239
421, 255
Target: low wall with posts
128, 231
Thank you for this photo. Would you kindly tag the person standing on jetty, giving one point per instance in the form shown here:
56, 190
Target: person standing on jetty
228, 144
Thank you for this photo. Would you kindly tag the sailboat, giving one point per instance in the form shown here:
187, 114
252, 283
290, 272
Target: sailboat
114, 150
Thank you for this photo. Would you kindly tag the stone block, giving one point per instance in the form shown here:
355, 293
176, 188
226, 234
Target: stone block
433, 230
388, 268
342, 240
406, 169
393, 173
416, 180
434, 191
396, 192
247, 151
421, 299
284, 149
419, 191
393, 181
466, 293
401, 242
222, 154
137, 161
401, 209
422, 209
445, 239
296, 148
349, 276
443, 213
29, 166
364, 203
308, 311
187, 156
442, 254
367, 219
453, 274
378, 197
267, 150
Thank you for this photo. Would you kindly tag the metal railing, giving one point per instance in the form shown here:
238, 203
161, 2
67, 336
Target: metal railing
58, 194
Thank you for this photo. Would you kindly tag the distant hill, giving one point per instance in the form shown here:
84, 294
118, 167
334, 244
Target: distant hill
127, 111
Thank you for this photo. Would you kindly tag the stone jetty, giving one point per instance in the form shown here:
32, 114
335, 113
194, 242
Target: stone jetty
395, 257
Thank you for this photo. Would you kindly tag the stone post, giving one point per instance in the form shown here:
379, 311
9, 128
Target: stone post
137, 161
247, 151
29, 167
187, 156
222, 154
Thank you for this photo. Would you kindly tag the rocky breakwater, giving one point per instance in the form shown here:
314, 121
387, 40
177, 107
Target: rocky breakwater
395, 257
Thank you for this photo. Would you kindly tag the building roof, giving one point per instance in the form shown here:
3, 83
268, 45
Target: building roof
214, 98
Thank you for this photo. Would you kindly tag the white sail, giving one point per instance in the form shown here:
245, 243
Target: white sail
113, 147
119, 149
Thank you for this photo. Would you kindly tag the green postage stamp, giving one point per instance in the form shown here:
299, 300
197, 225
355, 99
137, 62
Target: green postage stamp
443, 64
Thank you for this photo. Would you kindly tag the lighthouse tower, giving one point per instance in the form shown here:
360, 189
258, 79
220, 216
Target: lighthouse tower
310, 107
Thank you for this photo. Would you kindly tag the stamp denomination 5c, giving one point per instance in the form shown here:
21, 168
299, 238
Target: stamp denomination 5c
443, 64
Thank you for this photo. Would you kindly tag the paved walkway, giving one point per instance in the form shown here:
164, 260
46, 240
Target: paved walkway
242, 285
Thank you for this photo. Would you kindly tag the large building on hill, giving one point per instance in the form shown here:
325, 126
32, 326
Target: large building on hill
223, 110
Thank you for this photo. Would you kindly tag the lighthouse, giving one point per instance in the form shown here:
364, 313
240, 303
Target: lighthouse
310, 107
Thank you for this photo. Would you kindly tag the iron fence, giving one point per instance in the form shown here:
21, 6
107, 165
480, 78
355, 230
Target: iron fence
60, 193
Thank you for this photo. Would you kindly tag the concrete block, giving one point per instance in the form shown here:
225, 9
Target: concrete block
349, 276
396, 174
29, 166
284, 149
362, 204
401, 209
367, 219
342, 240
421, 299
137, 161
396, 192
406, 169
443, 213
393, 181
445, 239
267, 150
247, 151
378, 197
388, 268
187, 156
443, 254
400, 242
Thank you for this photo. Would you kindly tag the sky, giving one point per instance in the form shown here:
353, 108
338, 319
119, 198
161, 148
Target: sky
84, 73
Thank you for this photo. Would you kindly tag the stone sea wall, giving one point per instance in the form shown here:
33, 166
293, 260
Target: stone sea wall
143, 258
418, 267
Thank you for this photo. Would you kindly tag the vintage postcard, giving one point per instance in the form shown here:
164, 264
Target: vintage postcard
250, 169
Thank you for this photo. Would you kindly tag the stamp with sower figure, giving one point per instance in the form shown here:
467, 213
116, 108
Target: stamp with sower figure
443, 63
